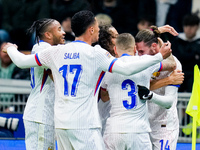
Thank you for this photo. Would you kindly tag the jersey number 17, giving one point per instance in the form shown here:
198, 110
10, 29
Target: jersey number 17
65, 69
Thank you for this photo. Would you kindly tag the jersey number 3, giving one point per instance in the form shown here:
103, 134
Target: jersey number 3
72, 68
131, 93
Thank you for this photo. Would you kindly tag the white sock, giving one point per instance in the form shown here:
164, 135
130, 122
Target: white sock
12, 123
2, 121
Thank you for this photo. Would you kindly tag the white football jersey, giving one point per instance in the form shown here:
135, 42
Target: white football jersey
40, 104
159, 116
77, 72
104, 112
128, 113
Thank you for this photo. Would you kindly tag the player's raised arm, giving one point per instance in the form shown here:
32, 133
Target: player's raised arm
168, 28
20, 59
137, 66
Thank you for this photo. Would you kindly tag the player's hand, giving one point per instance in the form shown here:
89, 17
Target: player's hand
144, 93
176, 77
166, 50
7, 45
169, 29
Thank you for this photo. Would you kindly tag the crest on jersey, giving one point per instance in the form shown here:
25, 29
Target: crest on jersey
50, 148
155, 74
108, 54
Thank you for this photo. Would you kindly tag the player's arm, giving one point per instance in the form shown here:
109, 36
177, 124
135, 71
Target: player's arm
21, 60
27, 61
50, 74
104, 95
167, 28
165, 101
137, 66
169, 63
175, 78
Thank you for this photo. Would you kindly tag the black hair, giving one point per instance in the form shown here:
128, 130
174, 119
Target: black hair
81, 21
190, 20
148, 36
40, 27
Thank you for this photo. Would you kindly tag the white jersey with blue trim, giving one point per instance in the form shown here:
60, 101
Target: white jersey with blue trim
128, 113
77, 70
40, 104
162, 117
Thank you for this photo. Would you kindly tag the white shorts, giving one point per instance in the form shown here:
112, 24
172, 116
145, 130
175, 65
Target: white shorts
164, 139
39, 136
130, 141
85, 139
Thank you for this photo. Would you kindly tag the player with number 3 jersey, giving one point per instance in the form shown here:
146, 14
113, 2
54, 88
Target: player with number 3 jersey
128, 125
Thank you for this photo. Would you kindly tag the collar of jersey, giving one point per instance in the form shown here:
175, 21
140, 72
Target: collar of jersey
125, 55
41, 41
79, 41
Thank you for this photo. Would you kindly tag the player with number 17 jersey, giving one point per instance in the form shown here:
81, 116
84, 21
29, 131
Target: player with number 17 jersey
77, 64
77, 72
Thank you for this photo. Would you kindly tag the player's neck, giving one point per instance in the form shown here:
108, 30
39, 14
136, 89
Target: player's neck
48, 41
84, 39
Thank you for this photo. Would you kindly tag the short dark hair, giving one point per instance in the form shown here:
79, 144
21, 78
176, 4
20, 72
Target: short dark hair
125, 41
190, 20
40, 27
81, 21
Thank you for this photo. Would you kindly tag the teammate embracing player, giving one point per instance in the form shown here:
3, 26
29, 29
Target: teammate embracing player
77, 71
